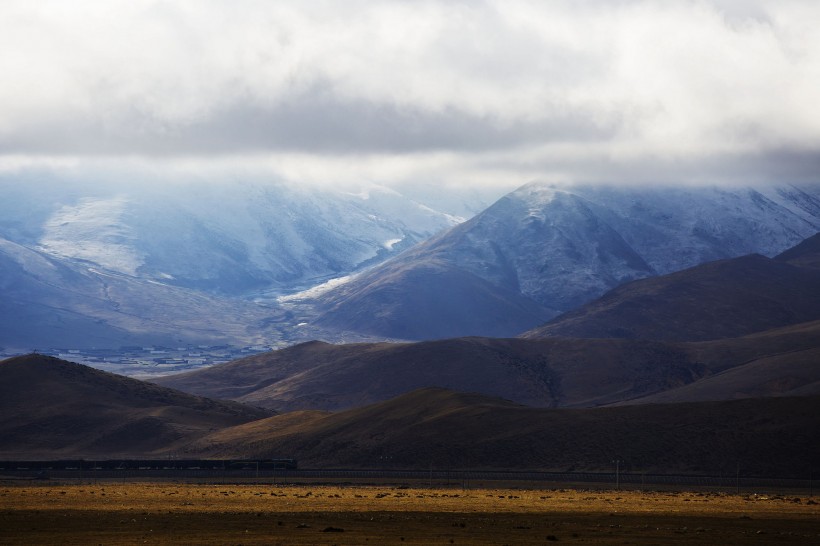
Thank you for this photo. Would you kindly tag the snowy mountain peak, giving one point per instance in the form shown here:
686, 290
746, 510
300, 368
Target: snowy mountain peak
560, 247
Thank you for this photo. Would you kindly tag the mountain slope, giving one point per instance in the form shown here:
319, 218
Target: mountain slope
546, 372
561, 248
535, 372
51, 302
53, 408
779, 362
175, 262
727, 298
449, 300
221, 237
806, 254
434, 428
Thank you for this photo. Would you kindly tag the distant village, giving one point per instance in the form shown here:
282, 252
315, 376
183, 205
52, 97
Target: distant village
136, 361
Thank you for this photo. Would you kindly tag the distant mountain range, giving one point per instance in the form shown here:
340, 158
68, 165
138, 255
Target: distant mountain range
96, 265
659, 405
543, 250
697, 370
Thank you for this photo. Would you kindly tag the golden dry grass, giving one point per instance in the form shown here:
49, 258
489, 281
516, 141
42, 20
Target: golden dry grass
262, 514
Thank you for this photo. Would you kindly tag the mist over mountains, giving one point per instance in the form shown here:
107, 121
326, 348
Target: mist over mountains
93, 264
228, 238
96, 265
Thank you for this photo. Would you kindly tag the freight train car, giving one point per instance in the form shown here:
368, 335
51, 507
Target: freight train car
151, 464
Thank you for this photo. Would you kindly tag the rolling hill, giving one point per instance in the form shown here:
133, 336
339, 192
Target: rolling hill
549, 372
50, 408
436, 428
780, 362
54, 409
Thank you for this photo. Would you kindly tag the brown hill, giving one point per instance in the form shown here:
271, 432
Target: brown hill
443, 429
722, 299
805, 254
534, 372
52, 408
546, 372
781, 362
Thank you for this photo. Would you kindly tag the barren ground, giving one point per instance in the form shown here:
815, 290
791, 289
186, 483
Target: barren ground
163, 513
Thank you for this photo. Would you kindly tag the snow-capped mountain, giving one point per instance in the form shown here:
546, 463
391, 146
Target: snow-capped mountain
138, 258
93, 264
228, 238
558, 247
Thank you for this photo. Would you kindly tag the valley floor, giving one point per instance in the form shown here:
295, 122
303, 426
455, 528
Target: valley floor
164, 513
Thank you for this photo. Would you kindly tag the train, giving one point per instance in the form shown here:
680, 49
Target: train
152, 464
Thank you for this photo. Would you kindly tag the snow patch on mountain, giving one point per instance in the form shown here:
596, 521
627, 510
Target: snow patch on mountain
94, 230
314, 291
391, 243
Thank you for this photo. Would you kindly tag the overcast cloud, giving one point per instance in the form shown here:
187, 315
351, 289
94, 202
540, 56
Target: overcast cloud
463, 92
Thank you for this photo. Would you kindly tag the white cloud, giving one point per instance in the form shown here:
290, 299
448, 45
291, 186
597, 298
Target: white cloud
466, 91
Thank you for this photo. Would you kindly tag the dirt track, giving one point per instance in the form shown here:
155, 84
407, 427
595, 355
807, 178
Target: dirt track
225, 514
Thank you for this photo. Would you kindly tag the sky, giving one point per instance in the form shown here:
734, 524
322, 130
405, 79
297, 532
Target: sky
397, 92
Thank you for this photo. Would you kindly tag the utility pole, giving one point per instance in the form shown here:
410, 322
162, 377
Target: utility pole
617, 473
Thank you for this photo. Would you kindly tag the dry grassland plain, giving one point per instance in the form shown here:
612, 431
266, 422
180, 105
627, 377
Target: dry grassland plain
170, 513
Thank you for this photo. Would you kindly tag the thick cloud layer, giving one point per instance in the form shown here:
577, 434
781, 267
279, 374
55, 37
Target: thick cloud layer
396, 90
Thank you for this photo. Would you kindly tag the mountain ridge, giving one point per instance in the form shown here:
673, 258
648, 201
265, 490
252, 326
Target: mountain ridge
726, 298
562, 247
546, 372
